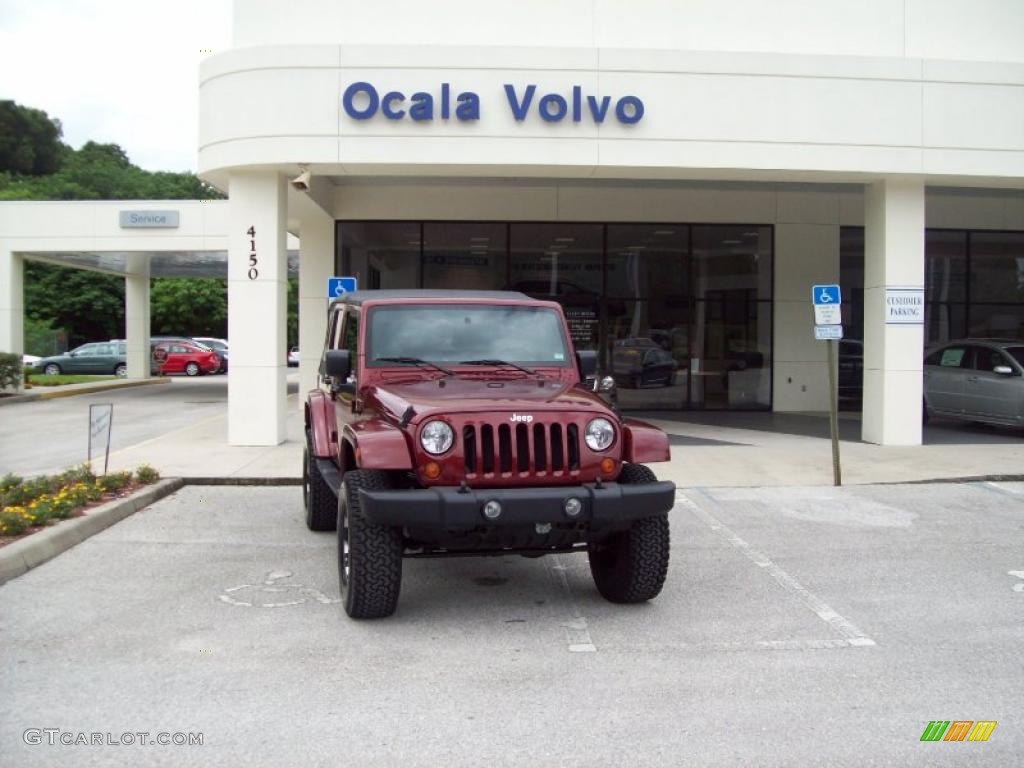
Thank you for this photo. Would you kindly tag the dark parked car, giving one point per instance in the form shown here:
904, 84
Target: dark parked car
640, 361
97, 358
976, 380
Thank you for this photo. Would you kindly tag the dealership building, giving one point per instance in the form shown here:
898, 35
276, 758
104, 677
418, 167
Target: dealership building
677, 174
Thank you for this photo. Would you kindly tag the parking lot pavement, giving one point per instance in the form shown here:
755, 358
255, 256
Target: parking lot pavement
801, 626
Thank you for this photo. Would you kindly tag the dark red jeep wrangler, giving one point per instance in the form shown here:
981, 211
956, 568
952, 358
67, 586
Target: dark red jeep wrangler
457, 422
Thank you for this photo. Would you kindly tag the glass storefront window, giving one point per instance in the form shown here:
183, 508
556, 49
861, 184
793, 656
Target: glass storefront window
647, 260
563, 263
945, 265
851, 278
730, 364
380, 254
649, 353
996, 321
680, 314
944, 322
463, 254
733, 259
997, 267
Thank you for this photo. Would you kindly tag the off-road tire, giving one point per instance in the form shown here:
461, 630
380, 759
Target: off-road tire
370, 588
630, 566
321, 505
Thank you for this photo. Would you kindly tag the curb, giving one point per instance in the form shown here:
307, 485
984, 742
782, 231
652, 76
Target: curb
79, 389
19, 557
257, 481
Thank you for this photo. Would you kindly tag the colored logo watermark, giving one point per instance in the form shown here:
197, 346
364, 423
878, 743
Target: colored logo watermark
958, 730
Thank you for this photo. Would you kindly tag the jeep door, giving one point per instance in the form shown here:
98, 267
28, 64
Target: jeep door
347, 337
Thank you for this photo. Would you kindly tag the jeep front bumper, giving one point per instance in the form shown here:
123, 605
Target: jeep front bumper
609, 506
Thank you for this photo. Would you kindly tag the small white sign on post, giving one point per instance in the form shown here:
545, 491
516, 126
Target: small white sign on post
826, 332
101, 420
904, 306
828, 314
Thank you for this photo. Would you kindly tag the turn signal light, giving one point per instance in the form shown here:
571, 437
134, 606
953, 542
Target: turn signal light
432, 470
608, 466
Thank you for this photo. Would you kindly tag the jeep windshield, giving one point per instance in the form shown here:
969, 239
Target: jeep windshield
452, 334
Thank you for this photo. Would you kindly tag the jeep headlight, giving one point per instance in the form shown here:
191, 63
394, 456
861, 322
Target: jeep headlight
599, 434
436, 437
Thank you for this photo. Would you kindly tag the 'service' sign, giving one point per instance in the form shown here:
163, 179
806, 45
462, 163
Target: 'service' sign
148, 219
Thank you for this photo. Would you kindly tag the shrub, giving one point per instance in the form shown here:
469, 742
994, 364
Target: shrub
10, 371
115, 481
146, 475
14, 520
9, 481
81, 474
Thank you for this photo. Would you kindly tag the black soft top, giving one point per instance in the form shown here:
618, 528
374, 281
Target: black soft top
358, 297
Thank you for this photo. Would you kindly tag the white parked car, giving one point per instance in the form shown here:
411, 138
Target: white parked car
293, 357
29, 361
976, 380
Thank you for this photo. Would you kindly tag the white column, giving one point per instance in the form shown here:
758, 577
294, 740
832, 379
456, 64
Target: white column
257, 307
893, 257
136, 315
316, 264
12, 302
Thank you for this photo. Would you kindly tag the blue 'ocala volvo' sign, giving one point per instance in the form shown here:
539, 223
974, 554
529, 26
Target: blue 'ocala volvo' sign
361, 101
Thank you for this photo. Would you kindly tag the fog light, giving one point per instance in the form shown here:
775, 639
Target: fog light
572, 506
432, 470
607, 465
492, 509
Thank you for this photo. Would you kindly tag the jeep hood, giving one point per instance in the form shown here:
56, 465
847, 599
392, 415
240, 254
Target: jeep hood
472, 395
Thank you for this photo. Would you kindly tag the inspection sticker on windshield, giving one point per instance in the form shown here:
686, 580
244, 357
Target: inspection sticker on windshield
559, 356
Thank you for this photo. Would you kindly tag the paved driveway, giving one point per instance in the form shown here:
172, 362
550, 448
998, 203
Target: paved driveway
798, 627
51, 435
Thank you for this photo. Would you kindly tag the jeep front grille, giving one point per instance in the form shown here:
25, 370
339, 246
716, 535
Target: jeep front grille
525, 449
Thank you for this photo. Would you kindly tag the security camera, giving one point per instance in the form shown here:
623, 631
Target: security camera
301, 182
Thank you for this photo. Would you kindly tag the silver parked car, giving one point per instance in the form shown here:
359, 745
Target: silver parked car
976, 380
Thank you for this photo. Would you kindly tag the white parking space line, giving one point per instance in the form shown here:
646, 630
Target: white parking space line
1002, 490
850, 633
576, 632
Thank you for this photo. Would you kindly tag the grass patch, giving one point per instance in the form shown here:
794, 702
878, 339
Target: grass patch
42, 380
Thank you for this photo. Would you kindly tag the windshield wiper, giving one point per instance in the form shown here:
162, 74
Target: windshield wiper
499, 363
414, 361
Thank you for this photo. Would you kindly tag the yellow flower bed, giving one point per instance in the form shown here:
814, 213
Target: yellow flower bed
41, 500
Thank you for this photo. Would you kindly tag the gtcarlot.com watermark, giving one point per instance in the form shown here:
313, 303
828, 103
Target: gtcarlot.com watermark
54, 736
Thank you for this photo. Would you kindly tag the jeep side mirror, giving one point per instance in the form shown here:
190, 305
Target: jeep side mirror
337, 365
586, 359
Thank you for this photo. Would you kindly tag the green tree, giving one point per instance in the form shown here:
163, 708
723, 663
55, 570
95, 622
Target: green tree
89, 305
29, 140
189, 306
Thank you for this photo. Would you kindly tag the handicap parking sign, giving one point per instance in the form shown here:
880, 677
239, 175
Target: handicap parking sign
339, 286
824, 295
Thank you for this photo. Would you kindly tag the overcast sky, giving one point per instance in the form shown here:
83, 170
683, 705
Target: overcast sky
114, 71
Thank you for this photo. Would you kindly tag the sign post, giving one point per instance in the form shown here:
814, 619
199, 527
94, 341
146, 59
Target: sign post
829, 327
101, 420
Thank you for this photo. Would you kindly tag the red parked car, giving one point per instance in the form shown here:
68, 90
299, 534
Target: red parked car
184, 357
